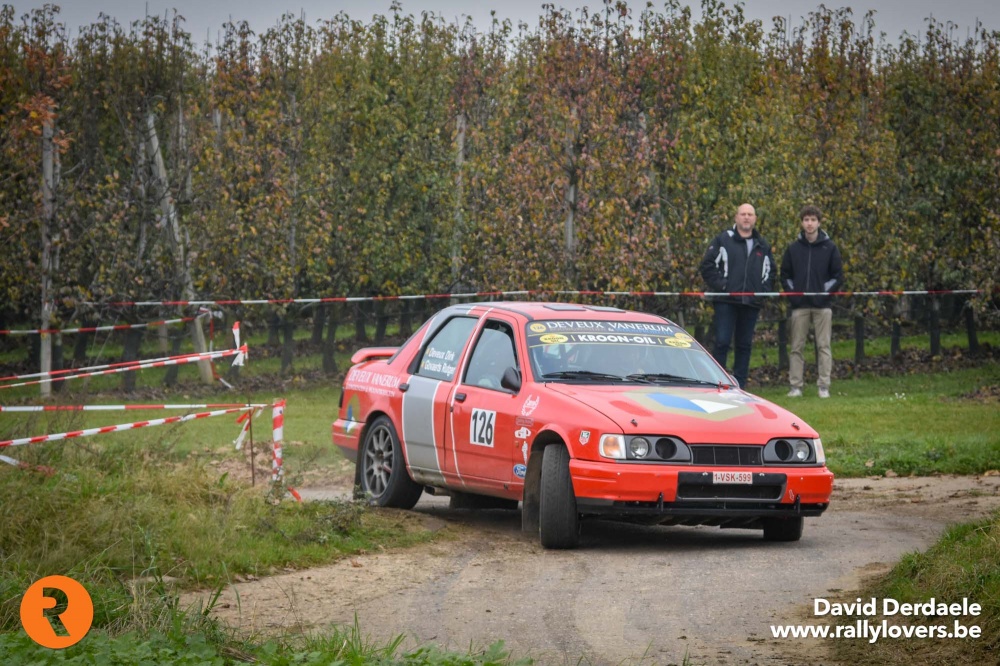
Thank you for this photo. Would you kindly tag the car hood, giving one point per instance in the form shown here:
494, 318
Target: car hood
695, 414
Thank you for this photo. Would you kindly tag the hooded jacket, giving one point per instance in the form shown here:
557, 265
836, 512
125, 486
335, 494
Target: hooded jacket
727, 266
811, 267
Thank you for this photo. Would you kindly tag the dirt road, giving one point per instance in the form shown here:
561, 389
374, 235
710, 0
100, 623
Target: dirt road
629, 594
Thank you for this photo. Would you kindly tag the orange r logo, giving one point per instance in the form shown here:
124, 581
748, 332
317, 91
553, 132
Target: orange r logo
56, 612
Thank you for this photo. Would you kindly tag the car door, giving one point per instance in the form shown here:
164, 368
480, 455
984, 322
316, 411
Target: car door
427, 396
483, 412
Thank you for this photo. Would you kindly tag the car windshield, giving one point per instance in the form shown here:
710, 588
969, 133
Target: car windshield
618, 351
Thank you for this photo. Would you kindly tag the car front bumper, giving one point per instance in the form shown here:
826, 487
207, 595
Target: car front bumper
607, 488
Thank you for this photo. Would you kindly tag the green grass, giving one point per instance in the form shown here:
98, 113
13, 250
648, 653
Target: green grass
121, 513
910, 424
964, 563
207, 646
136, 526
765, 347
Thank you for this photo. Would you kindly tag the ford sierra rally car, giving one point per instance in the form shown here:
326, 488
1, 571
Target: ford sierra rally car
575, 411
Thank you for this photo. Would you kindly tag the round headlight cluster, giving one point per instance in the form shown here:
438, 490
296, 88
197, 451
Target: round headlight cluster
792, 451
639, 447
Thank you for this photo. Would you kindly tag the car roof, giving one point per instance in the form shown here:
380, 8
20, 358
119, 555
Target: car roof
543, 311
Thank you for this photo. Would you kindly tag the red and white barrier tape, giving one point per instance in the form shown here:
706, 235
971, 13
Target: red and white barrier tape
246, 420
118, 408
121, 427
95, 329
239, 353
123, 364
533, 292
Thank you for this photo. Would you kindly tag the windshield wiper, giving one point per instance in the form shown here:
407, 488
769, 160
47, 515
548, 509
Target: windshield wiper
581, 374
665, 377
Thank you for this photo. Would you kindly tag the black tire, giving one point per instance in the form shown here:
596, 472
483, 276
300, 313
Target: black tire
384, 479
461, 500
782, 529
559, 522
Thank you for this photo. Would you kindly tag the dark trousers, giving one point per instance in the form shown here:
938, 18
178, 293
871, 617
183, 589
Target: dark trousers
735, 321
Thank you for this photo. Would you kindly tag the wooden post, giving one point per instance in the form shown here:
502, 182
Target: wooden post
273, 328
48, 223
782, 344
330, 346
970, 328
360, 334
859, 340
288, 342
133, 339
894, 340
935, 326
57, 359
319, 321
381, 322
405, 319
176, 337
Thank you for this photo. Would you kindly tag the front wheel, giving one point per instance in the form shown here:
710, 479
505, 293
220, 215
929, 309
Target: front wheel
559, 522
782, 529
384, 479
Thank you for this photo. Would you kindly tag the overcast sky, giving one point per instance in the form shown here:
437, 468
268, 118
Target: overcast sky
204, 18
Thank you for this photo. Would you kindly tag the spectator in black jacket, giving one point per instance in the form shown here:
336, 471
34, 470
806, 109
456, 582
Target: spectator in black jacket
811, 264
738, 260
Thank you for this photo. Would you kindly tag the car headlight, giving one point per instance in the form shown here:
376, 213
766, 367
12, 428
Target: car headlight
639, 447
792, 451
612, 446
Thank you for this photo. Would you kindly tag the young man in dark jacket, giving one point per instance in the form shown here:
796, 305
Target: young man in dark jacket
738, 260
811, 265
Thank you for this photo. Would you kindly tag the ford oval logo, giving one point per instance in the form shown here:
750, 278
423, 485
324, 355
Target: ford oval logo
520, 471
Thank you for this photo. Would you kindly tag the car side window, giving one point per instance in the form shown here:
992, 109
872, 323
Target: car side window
441, 355
493, 353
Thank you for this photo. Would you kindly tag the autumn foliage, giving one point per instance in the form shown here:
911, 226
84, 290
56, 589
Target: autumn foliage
410, 155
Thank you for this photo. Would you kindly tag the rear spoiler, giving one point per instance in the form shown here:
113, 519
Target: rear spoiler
372, 353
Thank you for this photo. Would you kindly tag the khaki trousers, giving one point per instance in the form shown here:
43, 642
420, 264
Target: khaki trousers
821, 320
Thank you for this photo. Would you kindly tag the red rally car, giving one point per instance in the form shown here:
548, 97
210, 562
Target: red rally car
575, 411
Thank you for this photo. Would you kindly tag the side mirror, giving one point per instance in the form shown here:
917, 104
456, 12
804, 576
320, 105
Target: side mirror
511, 379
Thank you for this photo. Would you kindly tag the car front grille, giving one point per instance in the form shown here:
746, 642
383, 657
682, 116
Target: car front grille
720, 454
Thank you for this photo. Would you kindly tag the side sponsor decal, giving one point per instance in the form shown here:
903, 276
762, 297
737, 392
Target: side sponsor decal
520, 471
524, 451
584, 437
530, 405
481, 427
522, 433
521, 421
366, 381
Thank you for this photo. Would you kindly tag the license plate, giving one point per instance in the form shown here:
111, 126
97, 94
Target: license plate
732, 477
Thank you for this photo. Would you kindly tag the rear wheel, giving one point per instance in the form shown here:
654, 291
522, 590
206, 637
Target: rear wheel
384, 479
559, 522
782, 529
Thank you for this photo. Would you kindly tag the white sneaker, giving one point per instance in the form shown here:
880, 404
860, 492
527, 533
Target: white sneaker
795, 393
824, 393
